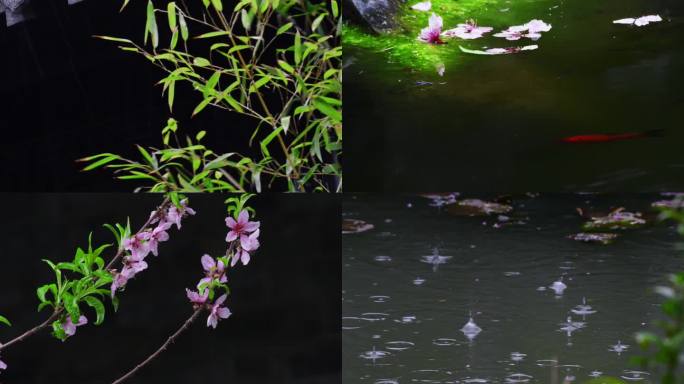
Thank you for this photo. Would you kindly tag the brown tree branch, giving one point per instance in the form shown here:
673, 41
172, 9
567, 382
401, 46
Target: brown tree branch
33, 330
161, 349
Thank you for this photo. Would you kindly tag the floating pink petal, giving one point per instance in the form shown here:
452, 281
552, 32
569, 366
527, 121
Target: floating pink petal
536, 26
499, 51
467, 31
431, 34
639, 21
423, 6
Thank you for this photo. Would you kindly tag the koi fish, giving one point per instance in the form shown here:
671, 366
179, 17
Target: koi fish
605, 137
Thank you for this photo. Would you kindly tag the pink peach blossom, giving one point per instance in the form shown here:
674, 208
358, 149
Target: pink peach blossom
175, 214
241, 226
431, 34
218, 312
196, 297
70, 328
467, 31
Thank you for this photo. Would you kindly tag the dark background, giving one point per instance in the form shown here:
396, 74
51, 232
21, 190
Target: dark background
66, 95
285, 326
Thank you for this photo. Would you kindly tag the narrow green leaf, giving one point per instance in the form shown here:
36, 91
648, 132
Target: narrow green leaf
183, 26
117, 39
287, 67
201, 62
97, 305
201, 106
218, 5
212, 34
284, 29
298, 48
4, 320
317, 21
328, 110
335, 8
171, 13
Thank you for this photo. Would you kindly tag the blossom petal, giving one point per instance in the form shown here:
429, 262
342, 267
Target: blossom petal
243, 217
220, 299
223, 312
230, 222
232, 235
423, 6
208, 262
244, 257
252, 226
628, 20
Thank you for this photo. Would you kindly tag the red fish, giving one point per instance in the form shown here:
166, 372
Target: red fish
605, 137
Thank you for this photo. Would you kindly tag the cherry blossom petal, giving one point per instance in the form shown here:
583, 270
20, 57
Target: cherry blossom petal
208, 263
628, 21
220, 300
423, 6
223, 312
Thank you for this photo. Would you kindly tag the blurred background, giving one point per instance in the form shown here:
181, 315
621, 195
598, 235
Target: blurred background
285, 326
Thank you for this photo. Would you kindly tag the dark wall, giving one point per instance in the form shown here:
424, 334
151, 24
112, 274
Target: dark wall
65, 95
285, 326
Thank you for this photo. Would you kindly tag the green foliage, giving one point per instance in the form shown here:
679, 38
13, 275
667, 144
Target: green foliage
276, 61
666, 347
81, 281
3, 320
236, 204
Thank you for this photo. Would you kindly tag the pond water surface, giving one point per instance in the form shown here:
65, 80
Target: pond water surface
494, 123
404, 308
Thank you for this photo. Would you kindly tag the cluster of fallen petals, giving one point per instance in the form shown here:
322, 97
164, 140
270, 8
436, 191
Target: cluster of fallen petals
470, 30
242, 238
141, 244
531, 30
467, 31
639, 21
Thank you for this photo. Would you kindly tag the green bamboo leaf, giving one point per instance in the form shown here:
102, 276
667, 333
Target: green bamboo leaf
201, 106
201, 62
151, 25
317, 21
105, 159
335, 8
117, 39
246, 19
4, 320
287, 67
233, 103
284, 29
183, 26
171, 13
298, 48
327, 109
259, 83
212, 34
218, 5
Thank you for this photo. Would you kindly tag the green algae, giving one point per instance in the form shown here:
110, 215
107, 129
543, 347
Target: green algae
403, 48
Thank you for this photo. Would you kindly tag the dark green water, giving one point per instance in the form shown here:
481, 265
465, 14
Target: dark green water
494, 123
393, 299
